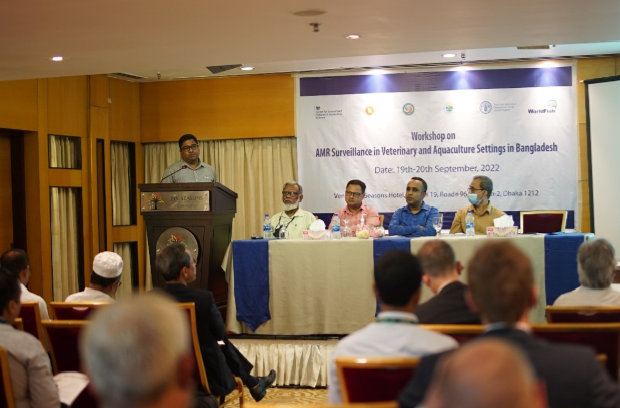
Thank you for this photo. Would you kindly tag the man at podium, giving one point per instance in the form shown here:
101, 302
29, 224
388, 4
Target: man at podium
190, 168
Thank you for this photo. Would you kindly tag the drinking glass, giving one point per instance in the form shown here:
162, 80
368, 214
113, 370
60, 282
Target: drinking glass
346, 231
438, 224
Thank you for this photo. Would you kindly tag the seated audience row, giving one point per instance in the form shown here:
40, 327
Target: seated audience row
501, 288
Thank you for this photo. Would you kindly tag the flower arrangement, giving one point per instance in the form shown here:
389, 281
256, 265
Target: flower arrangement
156, 198
177, 238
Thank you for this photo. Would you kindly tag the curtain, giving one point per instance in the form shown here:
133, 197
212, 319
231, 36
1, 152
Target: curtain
121, 185
64, 230
124, 250
256, 169
63, 151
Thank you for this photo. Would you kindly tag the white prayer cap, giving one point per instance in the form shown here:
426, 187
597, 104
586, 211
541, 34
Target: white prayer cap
108, 264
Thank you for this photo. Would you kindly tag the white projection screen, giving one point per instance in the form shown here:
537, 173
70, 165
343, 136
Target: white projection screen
603, 126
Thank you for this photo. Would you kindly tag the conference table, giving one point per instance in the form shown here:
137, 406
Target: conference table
299, 287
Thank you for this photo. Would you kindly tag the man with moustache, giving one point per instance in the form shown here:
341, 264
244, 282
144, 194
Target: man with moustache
293, 218
355, 208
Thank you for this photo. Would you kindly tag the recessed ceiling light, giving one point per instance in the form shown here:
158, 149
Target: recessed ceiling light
247, 68
353, 37
449, 55
57, 58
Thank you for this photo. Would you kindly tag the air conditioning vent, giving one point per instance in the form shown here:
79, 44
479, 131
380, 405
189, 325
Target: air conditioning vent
221, 68
126, 76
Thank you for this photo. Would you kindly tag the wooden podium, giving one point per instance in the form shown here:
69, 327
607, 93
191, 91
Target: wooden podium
198, 214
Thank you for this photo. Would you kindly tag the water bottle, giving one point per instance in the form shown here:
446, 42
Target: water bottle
267, 227
336, 227
469, 225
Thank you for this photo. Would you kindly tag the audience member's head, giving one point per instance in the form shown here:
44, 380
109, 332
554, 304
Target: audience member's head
596, 264
10, 294
486, 373
174, 262
439, 263
106, 273
397, 280
137, 353
501, 282
17, 262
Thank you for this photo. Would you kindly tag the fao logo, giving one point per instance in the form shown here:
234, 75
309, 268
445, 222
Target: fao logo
369, 110
449, 108
408, 109
486, 107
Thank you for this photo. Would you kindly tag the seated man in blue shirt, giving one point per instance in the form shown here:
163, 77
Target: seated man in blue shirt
416, 218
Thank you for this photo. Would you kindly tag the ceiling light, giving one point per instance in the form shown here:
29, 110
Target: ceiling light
450, 55
247, 68
353, 37
57, 58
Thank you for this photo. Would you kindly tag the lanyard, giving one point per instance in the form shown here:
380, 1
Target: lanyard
395, 320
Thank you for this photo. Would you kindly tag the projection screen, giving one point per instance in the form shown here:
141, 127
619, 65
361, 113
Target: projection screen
603, 127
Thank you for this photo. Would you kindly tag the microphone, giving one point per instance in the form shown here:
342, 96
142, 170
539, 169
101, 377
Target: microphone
174, 172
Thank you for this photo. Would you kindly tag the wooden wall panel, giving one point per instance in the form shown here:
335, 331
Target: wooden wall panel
124, 111
6, 192
99, 90
219, 108
18, 104
67, 106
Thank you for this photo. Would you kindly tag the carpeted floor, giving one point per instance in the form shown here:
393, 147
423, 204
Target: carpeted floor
297, 396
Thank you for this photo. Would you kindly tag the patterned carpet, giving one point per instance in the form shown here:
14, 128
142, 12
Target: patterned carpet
296, 396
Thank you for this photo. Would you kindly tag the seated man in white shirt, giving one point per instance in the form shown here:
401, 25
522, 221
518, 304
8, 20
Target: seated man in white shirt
293, 218
596, 263
396, 333
17, 262
29, 365
105, 279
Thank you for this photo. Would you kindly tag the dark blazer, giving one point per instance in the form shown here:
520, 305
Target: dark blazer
572, 375
447, 307
220, 362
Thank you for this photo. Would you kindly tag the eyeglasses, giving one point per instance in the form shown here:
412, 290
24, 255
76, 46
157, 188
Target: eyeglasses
351, 193
471, 189
190, 147
290, 193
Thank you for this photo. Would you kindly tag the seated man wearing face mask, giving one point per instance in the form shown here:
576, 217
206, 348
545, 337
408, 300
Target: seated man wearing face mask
484, 212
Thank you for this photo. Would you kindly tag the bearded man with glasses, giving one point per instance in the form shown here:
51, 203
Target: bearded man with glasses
293, 218
479, 193
190, 168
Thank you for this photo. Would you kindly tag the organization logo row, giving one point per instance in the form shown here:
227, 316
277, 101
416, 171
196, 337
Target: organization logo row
486, 108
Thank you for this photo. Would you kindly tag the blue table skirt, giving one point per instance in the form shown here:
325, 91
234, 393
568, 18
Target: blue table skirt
251, 269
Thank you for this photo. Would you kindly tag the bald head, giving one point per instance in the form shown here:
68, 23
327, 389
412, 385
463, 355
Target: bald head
486, 373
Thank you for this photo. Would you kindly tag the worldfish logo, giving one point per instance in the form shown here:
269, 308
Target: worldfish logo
408, 109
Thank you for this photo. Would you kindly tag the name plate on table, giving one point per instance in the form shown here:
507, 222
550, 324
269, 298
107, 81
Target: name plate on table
175, 201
